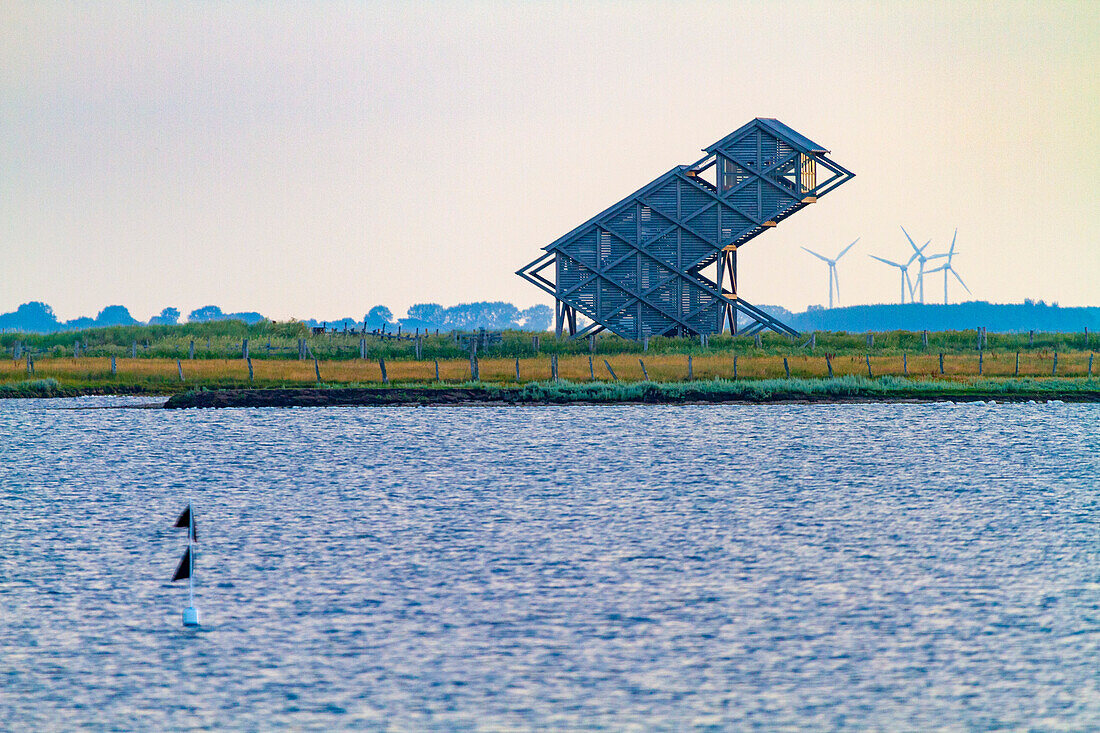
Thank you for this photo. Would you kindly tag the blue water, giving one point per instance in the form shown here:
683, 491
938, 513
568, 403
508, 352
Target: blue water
566, 568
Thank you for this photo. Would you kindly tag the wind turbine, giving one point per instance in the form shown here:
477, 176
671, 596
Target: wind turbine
905, 281
832, 269
946, 267
922, 258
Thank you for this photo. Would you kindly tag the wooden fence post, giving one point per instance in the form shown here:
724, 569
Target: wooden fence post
475, 374
870, 340
1054, 369
1090, 366
362, 348
904, 364
316, 369
786, 367
114, 367
30, 363
1017, 372
924, 339
554, 367
981, 355
645, 343
517, 370
829, 365
133, 350
179, 366
941, 363
382, 366
535, 343
691, 372
436, 369
250, 375
610, 370
191, 350
591, 371
756, 341
76, 349
592, 344
1031, 338
813, 342
645, 374
17, 351
244, 349
735, 366
869, 374
419, 348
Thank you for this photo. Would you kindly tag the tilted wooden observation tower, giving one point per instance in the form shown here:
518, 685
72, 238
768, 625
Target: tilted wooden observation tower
663, 261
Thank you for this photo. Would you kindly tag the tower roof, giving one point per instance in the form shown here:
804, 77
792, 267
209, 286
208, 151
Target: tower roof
774, 126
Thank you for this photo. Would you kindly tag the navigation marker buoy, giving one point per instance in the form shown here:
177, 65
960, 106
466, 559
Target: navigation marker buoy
186, 568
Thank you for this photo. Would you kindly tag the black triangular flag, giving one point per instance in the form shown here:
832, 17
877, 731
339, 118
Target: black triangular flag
183, 572
186, 520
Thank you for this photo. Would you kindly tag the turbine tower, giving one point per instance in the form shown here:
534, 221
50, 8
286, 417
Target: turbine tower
832, 269
922, 258
946, 268
906, 283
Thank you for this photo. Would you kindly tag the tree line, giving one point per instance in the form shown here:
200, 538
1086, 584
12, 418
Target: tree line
38, 317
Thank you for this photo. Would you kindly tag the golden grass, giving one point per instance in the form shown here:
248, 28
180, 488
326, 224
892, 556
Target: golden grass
663, 368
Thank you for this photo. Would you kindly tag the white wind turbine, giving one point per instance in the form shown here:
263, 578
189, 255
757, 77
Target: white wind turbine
906, 283
832, 269
946, 268
922, 258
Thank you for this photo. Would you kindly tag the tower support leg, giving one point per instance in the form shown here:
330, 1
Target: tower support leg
565, 318
727, 270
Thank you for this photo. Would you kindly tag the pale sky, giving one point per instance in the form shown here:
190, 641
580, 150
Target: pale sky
315, 159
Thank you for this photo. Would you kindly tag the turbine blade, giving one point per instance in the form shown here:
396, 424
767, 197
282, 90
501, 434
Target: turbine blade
952, 250
836, 279
845, 250
936, 269
888, 262
909, 238
960, 280
820, 257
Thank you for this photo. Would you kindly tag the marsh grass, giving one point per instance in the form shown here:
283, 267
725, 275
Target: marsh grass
763, 389
162, 375
31, 388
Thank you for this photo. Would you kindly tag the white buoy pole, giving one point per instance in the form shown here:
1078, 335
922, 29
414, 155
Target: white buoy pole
190, 615
191, 557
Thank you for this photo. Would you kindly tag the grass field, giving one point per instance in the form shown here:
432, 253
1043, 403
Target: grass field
163, 375
279, 341
146, 358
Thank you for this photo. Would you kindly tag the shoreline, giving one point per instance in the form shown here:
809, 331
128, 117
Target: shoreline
838, 390
647, 395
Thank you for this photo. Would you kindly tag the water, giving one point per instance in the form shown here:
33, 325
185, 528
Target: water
619, 568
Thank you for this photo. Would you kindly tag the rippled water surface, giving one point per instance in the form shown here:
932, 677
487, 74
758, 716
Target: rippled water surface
617, 568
